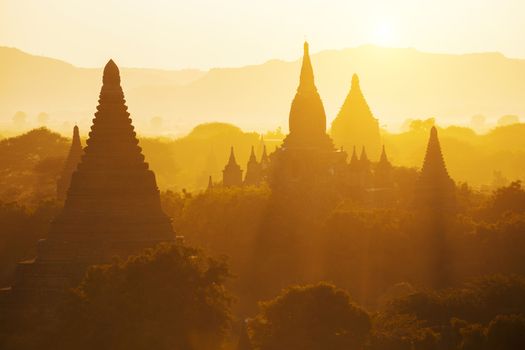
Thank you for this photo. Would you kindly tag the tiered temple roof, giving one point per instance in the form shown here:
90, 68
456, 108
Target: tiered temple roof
112, 206
355, 123
435, 187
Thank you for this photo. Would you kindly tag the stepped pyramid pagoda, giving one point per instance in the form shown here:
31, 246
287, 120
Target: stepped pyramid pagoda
307, 154
112, 206
355, 123
253, 170
72, 160
232, 173
383, 171
435, 188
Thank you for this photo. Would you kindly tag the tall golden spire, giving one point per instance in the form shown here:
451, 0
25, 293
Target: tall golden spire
306, 80
307, 119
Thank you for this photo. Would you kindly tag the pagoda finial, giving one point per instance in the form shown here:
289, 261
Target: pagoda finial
252, 156
355, 81
307, 74
354, 155
363, 156
210, 183
232, 157
111, 73
383, 157
76, 136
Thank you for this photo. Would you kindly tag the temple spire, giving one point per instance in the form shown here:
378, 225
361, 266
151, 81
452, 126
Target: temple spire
383, 159
252, 156
232, 160
210, 184
253, 170
264, 157
111, 74
355, 124
232, 173
306, 80
383, 173
434, 163
70, 165
435, 189
363, 158
307, 120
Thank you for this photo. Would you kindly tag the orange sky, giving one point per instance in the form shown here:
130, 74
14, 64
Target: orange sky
210, 33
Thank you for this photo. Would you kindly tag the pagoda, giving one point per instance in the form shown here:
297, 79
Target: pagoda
435, 188
253, 170
232, 173
307, 155
383, 171
307, 119
364, 169
72, 160
112, 207
355, 123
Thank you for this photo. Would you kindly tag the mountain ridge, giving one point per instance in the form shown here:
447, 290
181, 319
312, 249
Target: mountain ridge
399, 83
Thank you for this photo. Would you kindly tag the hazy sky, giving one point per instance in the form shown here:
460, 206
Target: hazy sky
210, 33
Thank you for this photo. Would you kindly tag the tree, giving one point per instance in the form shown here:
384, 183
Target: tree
311, 317
19, 119
172, 297
42, 118
506, 332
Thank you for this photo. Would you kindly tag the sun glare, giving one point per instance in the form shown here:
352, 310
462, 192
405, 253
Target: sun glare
384, 34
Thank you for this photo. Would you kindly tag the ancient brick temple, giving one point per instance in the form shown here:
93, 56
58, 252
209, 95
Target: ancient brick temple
307, 155
435, 188
112, 206
355, 125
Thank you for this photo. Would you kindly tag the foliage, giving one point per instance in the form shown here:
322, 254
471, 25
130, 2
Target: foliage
172, 297
311, 317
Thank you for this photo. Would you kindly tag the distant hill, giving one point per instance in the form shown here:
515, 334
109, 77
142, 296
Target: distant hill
398, 84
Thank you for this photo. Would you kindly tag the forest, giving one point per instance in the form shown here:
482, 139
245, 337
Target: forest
315, 268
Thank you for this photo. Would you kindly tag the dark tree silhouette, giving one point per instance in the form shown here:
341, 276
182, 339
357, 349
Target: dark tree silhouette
312, 317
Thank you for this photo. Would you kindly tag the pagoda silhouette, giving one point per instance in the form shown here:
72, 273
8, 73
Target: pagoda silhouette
435, 189
72, 160
254, 172
307, 155
112, 207
232, 173
355, 124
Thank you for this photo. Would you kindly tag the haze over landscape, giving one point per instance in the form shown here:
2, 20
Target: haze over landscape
400, 84
262, 175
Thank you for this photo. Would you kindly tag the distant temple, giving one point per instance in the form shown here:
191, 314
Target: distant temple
435, 188
72, 160
355, 124
112, 207
383, 172
307, 155
232, 173
307, 120
254, 174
